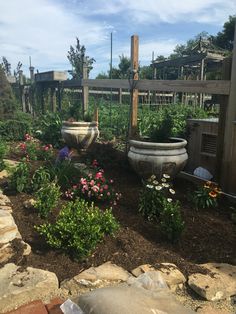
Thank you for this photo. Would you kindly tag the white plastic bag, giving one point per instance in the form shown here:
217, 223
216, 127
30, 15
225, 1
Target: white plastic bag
69, 307
151, 280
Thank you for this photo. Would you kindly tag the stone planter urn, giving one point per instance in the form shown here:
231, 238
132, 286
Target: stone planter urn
79, 135
148, 158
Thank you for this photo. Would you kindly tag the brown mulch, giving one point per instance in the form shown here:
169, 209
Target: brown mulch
209, 236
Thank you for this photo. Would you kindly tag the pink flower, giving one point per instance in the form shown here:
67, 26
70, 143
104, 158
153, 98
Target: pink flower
111, 181
92, 182
95, 163
105, 187
83, 181
95, 188
98, 175
108, 193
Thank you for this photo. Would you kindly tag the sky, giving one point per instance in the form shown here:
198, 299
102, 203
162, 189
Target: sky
45, 29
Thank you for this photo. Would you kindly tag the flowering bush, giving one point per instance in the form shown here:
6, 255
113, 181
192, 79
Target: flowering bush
207, 195
154, 196
94, 186
156, 204
33, 150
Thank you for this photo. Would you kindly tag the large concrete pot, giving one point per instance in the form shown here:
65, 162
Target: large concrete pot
79, 135
148, 158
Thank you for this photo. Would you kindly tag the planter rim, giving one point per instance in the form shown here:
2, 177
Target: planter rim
179, 143
79, 123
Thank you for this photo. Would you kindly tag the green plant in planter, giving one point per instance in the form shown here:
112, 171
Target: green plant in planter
79, 227
47, 198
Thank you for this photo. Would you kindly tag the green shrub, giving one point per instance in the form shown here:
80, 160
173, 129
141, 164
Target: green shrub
20, 178
14, 129
47, 198
171, 221
79, 228
3, 151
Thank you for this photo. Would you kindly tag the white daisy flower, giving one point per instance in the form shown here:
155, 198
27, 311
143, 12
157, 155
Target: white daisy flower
172, 191
149, 186
158, 187
166, 176
166, 185
155, 182
153, 177
163, 180
169, 200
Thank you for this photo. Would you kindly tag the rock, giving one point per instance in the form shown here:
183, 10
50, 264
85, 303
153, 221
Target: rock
11, 243
29, 203
19, 287
220, 284
209, 309
5, 207
4, 200
107, 274
170, 273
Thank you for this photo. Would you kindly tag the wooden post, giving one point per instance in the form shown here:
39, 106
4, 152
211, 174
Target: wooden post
85, 91
53, 99
120, 95
134, 91
201, 78
95, 115
223, 100
229, 156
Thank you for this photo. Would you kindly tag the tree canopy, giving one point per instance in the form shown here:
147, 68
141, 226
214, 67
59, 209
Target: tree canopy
77, 57
7, 99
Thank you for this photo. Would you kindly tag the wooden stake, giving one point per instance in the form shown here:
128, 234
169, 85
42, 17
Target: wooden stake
134, 91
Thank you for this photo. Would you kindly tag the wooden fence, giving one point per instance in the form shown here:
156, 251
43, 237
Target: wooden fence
225, 89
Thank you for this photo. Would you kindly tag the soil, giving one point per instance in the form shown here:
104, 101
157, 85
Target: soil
209, 235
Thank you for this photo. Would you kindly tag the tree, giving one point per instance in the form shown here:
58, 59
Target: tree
7, 99
6, 66
124, 66
146, 72
225, 38
17, 70
77, 57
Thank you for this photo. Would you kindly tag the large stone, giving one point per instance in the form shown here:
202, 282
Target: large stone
19, 287
4, 200
11, 243
219, 284
107, 274
170, 273
3, 174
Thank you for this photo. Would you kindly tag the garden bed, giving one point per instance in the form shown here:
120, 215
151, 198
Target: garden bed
209, 235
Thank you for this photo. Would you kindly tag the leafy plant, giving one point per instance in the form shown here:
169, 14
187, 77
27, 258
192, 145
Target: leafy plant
79, 227
20, 178
48, 128
40, 178
47, 198
171, 222
3, 151
206, 196
156, 204
154, 196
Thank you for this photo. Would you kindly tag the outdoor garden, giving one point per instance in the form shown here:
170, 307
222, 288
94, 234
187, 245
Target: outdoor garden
92, 207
